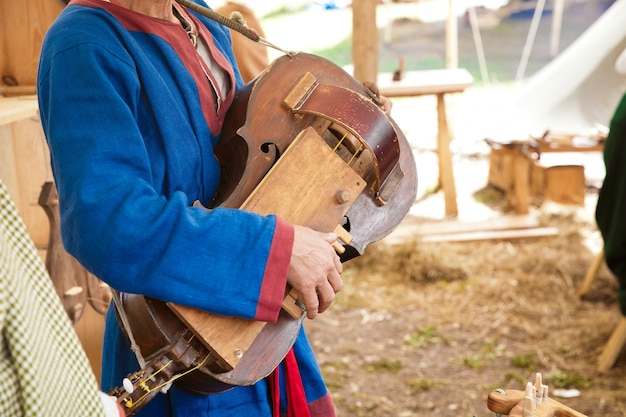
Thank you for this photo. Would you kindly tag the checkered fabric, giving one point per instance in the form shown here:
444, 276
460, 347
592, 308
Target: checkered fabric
44, 370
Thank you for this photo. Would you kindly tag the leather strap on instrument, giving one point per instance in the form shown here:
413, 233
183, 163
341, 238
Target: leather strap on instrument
357, 115
123, 319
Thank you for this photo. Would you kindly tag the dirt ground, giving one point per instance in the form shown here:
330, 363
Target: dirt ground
432, 328
435, 327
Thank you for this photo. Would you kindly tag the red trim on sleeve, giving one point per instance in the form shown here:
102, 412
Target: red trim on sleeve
275, 277
323, 407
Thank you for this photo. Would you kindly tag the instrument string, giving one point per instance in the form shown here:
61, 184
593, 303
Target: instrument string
354, 155
234, 24
147, 390
340, 141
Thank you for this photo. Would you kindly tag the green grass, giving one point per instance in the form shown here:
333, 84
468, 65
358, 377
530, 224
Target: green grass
423, 384
565, 380
423, 337
525, 361
385, 365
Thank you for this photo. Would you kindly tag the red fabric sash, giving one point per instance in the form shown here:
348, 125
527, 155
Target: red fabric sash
296, 399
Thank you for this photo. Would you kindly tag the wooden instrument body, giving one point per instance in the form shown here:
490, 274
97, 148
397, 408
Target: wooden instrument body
175, 353
253, 140
298, 191
310, 165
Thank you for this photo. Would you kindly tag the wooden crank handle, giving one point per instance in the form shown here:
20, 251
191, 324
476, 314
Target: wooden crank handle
342, 235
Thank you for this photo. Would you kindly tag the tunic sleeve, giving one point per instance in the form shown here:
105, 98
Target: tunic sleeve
611, 207
131, 151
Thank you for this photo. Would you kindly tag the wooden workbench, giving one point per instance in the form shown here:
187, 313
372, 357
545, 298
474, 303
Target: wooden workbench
438, 83
527, 168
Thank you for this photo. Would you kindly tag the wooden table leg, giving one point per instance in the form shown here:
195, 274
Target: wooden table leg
591, 274
521, 186
613, 347
446, 175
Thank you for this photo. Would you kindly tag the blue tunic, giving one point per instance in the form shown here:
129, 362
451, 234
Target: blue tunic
131, 120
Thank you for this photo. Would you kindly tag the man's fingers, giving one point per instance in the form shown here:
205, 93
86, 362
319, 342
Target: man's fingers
326, 296
311, 302
315, 269
334, 278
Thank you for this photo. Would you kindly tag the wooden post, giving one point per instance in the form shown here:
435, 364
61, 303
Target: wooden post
452, 44
446, 174
365, 40
555, 33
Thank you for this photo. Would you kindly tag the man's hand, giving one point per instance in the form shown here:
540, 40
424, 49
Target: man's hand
386, 104
111, 407
315, 269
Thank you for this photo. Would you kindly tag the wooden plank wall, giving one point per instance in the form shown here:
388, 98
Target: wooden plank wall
24, 160
23, 25
25, 167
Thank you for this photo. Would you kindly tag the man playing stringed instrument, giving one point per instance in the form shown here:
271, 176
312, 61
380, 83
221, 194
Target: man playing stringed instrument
133, 95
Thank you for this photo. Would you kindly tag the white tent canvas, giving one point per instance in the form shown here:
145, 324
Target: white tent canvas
580, 88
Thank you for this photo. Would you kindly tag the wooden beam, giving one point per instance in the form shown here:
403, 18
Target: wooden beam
365, 40
425, 82
504, 227
452, 41
506, 222
493, 235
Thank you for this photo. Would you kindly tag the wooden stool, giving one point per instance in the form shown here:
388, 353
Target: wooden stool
616, 342
438, 82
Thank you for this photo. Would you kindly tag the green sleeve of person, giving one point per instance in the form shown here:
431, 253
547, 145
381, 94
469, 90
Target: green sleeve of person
611, 207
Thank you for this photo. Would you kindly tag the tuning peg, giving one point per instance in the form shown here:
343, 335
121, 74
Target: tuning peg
128, 385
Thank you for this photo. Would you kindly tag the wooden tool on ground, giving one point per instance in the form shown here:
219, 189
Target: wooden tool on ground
533, 402
309, 143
